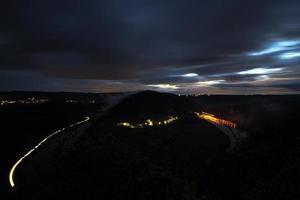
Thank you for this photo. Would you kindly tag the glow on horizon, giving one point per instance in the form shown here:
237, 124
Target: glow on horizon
208, 83
188, 75
164, 86
259, 71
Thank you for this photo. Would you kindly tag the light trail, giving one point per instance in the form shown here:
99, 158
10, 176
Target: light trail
212, 118
227, 127
13, 169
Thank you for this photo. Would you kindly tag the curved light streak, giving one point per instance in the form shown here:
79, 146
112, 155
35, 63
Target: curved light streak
13, 169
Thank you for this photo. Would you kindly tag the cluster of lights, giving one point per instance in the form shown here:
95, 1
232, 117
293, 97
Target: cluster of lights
77, 101
71, 101
34, 100
27, 101
149, 123
211, 118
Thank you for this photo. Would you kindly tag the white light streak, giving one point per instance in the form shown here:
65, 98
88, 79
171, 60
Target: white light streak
277, 47
13, 169
289, 55
260, 71
189, 75
288, 43
268, 51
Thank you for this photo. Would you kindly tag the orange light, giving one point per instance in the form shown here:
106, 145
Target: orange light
149, 122
212, 118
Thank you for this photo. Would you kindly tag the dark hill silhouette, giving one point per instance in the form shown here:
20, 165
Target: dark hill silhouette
150, 102
182, 160
114, 162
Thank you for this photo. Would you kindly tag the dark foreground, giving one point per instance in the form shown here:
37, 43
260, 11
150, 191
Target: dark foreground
186, 159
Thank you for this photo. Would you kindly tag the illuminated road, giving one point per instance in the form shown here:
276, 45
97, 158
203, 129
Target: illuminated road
212, 118
227, 127
13, 169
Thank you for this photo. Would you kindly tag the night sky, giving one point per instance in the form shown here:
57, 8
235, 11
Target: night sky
188, 46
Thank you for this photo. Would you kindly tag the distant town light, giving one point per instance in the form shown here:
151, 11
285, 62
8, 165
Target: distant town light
21, 101
148, 122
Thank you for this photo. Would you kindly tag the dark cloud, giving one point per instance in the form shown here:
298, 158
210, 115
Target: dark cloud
144, 42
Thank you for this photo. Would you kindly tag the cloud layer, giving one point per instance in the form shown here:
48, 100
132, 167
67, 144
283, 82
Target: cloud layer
213, 46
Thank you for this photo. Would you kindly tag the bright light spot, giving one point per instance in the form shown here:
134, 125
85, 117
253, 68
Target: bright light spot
260, 71
164, 86
277, 47
149, 122
289, 55
190, 75
208, 83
